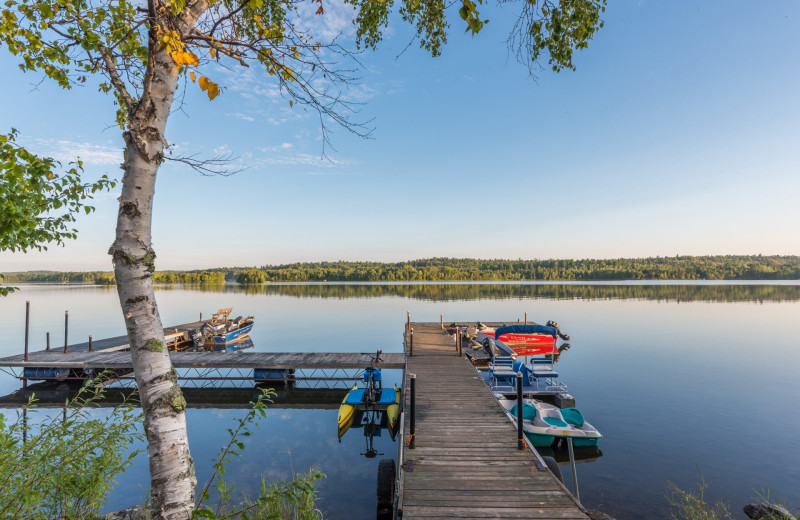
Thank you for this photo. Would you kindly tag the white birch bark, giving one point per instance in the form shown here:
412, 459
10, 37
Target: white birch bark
172, 471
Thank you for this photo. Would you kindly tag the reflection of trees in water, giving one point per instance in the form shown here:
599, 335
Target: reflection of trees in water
468, 292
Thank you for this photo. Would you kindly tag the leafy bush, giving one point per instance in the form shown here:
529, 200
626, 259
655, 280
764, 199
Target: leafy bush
64, 465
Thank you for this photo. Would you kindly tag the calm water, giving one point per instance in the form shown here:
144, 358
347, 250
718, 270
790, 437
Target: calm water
684, 381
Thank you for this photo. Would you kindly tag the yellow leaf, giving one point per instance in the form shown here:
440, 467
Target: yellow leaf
191, 75
213, 90
291, 103
203, 83
212, 52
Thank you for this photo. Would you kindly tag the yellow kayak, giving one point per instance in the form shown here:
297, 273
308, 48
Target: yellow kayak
346, 414
393, 413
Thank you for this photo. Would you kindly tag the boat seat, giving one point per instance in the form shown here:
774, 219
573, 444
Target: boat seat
543, 372
555, 421
573, 416
528, 411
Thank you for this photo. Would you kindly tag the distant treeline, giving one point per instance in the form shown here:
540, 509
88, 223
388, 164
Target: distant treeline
467, 269
107, 278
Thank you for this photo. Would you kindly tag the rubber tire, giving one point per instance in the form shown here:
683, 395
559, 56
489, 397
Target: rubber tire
386, 476
552, 465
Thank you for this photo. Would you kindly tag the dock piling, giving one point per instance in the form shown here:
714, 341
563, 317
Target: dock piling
66, 329
520, 434
90, 343
201, 316
441, 321
526, 317
412, 418
48, 341
408, 320
411, 344
27, 326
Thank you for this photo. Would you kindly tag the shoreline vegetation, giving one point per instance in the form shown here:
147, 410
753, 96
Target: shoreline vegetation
729, 267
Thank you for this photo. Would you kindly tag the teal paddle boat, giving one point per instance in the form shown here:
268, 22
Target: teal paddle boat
547, 425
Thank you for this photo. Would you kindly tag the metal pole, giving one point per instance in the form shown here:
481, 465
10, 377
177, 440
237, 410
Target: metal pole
572, 467
66, 329
520, 438
27, 326
411, 345
412, 426
90, 342
48, 341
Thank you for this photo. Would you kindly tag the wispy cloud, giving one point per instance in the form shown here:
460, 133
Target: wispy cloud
91, 154
335, 23
243, 117
284, 155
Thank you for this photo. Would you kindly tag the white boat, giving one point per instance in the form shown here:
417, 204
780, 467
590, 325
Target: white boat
546, 425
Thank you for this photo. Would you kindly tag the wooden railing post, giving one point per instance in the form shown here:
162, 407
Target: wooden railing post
412, 420
66, 329
520, 434
27, 327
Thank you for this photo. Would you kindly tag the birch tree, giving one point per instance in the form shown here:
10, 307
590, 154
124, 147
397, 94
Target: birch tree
139, 50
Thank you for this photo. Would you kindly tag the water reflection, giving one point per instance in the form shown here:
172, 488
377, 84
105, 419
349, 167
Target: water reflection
448, 292
372, 422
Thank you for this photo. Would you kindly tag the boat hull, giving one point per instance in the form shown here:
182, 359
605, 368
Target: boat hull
228, 337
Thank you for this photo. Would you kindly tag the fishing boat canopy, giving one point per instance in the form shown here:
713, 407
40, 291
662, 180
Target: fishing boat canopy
526, 329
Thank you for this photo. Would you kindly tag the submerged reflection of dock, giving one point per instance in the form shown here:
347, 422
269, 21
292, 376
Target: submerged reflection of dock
54, 395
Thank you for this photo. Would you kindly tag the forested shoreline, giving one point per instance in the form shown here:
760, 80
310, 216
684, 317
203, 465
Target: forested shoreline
465, 269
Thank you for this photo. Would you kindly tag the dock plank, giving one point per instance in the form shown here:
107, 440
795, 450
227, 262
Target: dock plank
465, 463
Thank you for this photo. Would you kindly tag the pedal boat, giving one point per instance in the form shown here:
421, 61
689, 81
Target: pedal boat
547, 425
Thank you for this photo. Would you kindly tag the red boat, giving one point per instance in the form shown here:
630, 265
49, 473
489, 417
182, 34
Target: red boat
526, 340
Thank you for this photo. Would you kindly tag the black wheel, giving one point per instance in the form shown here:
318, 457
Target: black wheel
386, 476
552, 465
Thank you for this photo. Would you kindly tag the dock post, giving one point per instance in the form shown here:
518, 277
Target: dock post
408, 320
201, 316
520, 437
526, 317
572, 467
27, 326
48, 341
66, 329
412, 421
459, 339
411, 344
441, 321
90, 342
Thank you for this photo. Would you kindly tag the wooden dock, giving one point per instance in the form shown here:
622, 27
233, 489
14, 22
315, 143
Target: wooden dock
466, 463
114, 354
245, 360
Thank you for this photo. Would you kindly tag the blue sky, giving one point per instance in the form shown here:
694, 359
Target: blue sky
678, 134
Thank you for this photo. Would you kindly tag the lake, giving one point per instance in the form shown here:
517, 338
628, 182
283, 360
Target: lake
686, 381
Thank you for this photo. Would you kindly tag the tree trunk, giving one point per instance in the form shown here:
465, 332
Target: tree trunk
172, 472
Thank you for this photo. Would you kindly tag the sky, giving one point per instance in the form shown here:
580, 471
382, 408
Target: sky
679, 133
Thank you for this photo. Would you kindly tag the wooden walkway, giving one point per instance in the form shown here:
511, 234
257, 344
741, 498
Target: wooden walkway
114, 353
115, 359
466, 463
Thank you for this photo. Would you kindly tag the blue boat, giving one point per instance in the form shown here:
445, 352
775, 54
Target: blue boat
221, 330
234, 334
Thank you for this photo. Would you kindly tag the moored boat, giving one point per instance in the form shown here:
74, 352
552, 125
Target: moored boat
523, 340
221, 330
545, 425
